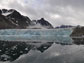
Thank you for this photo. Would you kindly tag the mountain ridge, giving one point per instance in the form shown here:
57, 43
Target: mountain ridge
12, 19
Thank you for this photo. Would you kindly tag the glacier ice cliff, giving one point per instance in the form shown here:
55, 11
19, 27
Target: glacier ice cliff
59, 35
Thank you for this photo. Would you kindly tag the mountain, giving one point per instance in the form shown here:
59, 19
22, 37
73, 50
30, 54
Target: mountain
44, 23
12, 19
19, 19
40, 24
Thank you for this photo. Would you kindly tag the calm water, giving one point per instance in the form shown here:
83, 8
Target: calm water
42, 52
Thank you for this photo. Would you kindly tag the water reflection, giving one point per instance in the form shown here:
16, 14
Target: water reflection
78, 41
12, 50
42, 52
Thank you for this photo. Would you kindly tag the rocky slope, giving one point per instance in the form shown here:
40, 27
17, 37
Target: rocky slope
78, 32
13, 19
5, 23
44, 23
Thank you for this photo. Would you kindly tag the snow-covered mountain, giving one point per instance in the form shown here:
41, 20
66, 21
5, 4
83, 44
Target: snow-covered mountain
13, 19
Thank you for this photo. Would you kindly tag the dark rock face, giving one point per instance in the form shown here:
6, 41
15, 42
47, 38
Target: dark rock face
0, 12
44, 23
5, 23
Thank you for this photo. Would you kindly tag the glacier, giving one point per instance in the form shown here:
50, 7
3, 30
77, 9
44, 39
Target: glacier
51, 35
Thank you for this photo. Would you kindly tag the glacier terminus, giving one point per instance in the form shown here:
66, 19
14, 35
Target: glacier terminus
58, 35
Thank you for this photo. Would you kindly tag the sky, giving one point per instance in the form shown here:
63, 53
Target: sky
57, 12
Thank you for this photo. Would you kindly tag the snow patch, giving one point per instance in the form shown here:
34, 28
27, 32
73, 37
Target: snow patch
5, 14
15, 23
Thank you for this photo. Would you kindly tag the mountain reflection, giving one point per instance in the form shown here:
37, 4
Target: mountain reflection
45, 46
78, 41
10, 51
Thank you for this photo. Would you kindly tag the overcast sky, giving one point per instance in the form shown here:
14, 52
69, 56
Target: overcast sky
57, 12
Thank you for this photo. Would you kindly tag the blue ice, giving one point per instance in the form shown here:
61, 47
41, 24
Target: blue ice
60, 35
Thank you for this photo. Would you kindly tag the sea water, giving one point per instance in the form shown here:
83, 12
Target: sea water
61, 51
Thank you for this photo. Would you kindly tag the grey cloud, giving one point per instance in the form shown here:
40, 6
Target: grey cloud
76, 3
71, 11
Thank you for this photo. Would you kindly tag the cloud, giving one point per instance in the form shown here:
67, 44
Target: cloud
74, 3
57, 12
